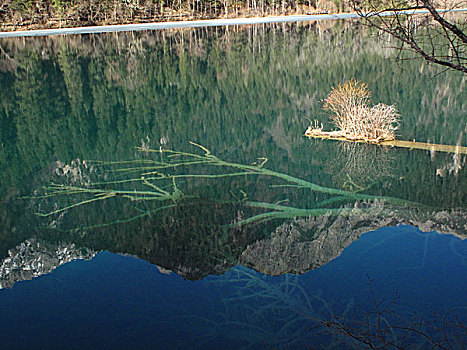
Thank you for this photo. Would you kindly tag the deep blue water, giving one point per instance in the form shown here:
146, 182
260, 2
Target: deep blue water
121, 302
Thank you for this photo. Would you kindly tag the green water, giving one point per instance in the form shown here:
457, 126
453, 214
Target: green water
74, 109
243, 92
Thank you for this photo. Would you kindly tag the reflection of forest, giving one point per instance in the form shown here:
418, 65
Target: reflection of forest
192, 240
242, 92
202, 227
107, 93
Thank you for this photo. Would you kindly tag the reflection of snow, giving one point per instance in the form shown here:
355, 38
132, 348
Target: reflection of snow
77, 172
163, 271
33, 258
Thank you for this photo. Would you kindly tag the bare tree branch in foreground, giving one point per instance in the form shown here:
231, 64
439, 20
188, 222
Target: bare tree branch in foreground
381, 328
430, 36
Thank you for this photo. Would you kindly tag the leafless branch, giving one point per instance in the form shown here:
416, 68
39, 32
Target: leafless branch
436, 40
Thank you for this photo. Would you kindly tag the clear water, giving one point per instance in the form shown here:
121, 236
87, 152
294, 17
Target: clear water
207, 270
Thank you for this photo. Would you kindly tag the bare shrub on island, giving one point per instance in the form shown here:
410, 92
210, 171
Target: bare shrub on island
351, 113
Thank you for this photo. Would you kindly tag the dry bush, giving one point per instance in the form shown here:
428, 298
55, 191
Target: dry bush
352, 115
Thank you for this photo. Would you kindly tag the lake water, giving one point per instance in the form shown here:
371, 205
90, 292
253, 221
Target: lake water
117, 232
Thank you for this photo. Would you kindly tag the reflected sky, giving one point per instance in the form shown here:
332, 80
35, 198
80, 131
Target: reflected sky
116, 301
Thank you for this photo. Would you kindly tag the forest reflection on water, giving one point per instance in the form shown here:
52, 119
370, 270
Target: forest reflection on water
78, 107
225, 206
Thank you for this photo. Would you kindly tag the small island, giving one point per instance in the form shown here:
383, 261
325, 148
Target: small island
351, 113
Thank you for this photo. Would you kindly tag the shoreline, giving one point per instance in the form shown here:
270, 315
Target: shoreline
197, 23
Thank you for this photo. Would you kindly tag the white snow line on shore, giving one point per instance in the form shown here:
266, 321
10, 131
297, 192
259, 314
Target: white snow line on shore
199, 23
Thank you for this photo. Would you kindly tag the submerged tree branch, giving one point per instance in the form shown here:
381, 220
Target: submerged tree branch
163, 188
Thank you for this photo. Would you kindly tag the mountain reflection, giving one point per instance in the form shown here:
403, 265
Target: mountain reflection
206, 229
192, 241
33, 258
243, 94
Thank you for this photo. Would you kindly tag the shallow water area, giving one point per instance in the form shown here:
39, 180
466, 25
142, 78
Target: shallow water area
117, 232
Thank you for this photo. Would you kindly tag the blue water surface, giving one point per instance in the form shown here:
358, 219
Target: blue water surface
121, 302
